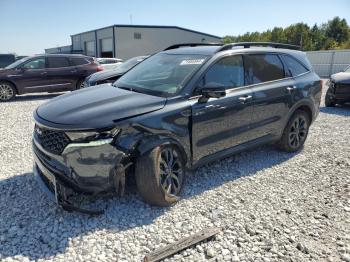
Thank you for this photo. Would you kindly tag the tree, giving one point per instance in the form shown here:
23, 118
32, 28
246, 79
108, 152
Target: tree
331, 35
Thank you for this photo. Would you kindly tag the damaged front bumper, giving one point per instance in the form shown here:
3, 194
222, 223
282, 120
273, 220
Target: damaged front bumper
89, 170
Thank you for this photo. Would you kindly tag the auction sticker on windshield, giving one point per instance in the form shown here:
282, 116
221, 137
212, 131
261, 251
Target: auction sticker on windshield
192, 62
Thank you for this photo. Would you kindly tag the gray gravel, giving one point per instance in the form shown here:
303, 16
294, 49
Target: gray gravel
273, 206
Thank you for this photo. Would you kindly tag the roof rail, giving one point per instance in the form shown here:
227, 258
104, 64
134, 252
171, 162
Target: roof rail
250, 44
191, 45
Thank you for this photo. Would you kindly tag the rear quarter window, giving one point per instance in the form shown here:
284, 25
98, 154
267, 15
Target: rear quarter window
294, 67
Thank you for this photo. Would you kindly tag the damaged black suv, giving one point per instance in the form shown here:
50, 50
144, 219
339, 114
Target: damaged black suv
177, 110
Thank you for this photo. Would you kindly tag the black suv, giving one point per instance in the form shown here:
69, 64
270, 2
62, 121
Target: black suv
45, 73
175, 111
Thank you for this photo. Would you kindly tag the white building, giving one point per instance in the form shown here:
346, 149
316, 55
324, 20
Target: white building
126, 41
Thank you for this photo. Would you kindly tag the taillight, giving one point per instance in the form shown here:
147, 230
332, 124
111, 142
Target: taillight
99, 68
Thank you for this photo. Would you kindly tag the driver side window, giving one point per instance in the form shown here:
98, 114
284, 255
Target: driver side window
227, 72
38, 63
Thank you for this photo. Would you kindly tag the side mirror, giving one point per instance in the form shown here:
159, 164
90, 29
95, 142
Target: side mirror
213, 91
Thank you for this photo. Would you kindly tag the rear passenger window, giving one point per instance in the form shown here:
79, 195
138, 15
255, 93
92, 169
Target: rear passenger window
262, 68
79, 61
294, 67
228, 72
57, 62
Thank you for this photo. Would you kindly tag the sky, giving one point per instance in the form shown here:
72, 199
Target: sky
27, 27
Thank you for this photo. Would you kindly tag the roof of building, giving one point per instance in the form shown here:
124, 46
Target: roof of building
151, 26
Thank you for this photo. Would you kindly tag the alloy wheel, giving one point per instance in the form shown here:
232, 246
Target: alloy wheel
171, 171
298, 132
6, 92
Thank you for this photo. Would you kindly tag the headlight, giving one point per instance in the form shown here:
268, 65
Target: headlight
92, 136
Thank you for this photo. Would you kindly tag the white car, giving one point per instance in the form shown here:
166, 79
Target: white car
109, 63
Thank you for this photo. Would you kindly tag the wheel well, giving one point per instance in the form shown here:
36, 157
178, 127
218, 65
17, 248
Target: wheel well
11, 83
307, 110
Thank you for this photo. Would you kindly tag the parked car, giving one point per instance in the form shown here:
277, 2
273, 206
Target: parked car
45, 73
339, 89
111, 76
6, 59
175, 111
109, 63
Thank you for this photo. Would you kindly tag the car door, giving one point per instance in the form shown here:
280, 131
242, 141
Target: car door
32, 76
222, 123
271, 93
61, 74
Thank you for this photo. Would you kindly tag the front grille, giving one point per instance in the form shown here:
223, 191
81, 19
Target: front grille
52, 140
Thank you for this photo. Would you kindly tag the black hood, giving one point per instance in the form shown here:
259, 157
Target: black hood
96, 107
341, 78
105, 75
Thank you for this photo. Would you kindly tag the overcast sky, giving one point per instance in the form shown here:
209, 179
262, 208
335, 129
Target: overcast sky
29, 26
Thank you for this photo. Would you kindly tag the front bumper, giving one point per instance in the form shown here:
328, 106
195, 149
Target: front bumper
78, 170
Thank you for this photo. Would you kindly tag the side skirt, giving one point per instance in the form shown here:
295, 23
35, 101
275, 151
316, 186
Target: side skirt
234, 150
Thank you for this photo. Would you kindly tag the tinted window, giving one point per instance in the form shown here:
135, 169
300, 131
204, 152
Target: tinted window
228, 72
295, 68
5, 60
79, 61
38, 63
56, 62
263, 68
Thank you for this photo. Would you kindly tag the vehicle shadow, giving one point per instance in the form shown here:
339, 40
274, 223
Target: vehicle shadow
27, 216
342, 110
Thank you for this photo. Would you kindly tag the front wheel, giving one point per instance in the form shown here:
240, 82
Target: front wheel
7, 91
295, 133
160, 175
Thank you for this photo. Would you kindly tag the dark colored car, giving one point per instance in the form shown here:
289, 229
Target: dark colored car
6, 59
339, 89
175, 111
45, 73
110, 76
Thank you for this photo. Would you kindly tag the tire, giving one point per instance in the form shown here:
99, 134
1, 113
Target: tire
157, 184
80, 84
7, 91
328, 101
295, 133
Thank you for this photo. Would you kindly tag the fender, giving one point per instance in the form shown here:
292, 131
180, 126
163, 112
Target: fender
148, 143
302, 103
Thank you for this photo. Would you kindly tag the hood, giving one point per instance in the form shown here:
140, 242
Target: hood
96, 107
4, 71
341, 78
105, 75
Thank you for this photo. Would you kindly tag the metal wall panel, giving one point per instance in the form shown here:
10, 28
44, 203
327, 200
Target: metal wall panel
326, 63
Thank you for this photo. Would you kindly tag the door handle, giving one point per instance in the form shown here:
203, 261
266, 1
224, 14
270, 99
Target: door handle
245, 99
291, 89
73, 71
43, 73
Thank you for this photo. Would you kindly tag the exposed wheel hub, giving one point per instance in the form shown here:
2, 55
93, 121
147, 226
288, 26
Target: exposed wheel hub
6, 92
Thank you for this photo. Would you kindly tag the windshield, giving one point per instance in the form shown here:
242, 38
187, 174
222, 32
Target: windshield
347, 69
162, 74
18, 62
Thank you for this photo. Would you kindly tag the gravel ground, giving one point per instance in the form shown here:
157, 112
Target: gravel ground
273, 206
